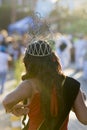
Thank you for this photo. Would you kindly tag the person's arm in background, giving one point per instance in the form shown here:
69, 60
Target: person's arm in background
80, 108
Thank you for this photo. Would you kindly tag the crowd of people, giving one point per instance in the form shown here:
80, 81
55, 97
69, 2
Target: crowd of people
73, 49
11, 49
68, 48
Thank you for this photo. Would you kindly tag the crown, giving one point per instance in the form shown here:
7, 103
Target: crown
39, 48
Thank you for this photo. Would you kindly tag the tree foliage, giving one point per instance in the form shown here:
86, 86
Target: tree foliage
75, 22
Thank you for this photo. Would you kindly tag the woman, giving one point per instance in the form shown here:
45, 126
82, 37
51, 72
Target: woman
50, 94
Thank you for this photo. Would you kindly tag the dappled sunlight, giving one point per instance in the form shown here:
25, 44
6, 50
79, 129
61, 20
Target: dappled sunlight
72, 116
78, 75
69, 71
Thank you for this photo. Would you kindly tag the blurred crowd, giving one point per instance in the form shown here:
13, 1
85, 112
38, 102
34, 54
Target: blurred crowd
69, 48
14, 44
72, 49
11, 49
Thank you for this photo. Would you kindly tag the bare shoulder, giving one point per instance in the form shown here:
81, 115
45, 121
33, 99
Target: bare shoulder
25, 87
30, 84
28, 87
25, 84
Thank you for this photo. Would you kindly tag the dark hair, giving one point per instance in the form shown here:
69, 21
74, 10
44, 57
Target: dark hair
48, 70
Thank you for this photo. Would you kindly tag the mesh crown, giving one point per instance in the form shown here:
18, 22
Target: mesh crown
39, 48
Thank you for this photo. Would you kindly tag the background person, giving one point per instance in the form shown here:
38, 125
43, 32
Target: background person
79, 52
4, 59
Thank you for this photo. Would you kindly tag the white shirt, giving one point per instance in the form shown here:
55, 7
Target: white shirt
4, 57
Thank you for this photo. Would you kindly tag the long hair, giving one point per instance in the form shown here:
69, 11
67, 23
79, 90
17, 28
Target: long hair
49, 71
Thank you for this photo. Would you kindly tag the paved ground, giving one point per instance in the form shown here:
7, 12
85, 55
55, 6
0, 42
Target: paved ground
74, 124
5, 123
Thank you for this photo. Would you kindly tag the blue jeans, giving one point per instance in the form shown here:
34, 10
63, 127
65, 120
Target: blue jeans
2, 81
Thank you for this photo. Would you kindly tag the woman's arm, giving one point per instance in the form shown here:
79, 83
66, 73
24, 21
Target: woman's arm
22, 92
80, 108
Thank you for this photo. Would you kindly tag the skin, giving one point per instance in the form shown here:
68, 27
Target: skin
12, 100
80, 108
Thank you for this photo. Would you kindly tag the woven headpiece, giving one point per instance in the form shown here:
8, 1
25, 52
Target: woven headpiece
38, 35
39, 48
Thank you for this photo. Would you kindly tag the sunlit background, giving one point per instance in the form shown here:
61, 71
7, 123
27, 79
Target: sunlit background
68, 16
68, 22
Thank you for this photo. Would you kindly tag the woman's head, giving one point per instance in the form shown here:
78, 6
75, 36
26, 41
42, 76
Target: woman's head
40, 61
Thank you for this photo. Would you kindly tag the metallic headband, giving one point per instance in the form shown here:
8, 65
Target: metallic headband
39, 48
